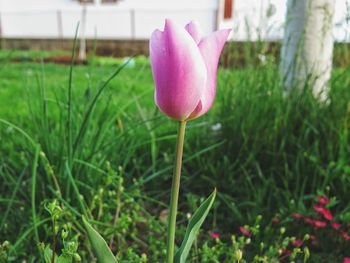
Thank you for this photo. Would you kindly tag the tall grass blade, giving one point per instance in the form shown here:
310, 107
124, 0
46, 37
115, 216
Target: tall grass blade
69, 104
34, 176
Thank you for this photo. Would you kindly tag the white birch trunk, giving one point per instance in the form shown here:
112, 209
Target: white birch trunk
307, 50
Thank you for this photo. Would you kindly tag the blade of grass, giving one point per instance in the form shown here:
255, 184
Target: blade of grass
69, 102
69, 110
34, 219
81, 202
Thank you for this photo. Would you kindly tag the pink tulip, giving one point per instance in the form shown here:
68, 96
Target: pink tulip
184, 66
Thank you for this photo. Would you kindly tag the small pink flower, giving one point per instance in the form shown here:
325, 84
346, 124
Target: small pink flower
327, 214
297, 243
335, 225
319, 223
276, 220
323, 200
323, 211
346, 260
344, 235
245, 231
318, 208
309, 220
297, 216
214, 234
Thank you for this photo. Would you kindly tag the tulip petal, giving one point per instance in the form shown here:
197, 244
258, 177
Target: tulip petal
195, 31
210, 48
179, 71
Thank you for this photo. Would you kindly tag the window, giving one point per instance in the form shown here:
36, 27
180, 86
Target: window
228, 9
93, 1
85, 1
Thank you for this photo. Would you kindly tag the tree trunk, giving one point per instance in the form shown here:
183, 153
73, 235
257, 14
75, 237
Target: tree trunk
307, 50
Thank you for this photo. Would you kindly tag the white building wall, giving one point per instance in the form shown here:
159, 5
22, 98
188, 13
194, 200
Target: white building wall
138, 18
127, 19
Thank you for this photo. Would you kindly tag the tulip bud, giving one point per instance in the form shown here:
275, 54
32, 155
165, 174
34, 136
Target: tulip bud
184, 66
238, 254
282, 230
77, 257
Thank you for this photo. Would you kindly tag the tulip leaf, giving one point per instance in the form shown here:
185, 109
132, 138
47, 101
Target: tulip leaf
193, 227
99, 245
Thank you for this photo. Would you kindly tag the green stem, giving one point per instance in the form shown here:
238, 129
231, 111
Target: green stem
175, 187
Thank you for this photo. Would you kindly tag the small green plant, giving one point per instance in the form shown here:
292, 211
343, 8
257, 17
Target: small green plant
62, 231
4, 249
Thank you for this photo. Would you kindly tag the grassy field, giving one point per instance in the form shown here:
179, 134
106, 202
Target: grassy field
97, 146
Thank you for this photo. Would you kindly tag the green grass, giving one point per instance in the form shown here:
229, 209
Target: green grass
271, 156
20, 81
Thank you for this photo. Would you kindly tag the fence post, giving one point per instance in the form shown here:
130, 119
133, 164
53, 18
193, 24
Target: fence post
82, 48
1, 32
132, 23
59, 24
0, 27
218, 14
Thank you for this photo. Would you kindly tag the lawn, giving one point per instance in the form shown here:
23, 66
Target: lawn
106, 152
